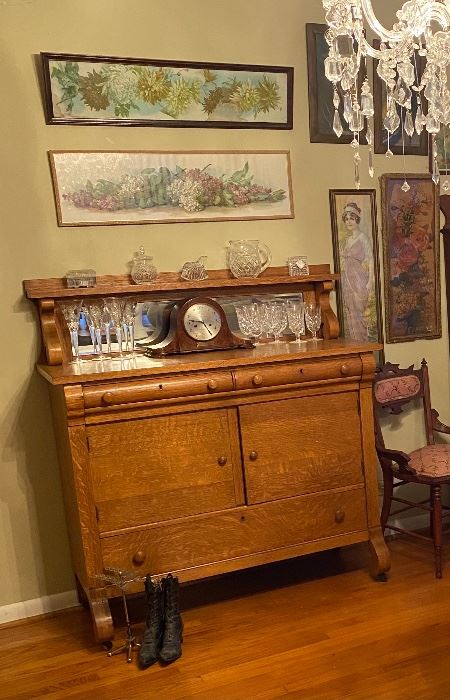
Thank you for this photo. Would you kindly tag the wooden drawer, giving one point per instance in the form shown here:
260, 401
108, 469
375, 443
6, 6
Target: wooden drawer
154, 469
157, 389
301, 445
297, 373
243, 531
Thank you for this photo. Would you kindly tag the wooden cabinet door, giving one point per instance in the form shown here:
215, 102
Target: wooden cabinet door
299, 446
156, 469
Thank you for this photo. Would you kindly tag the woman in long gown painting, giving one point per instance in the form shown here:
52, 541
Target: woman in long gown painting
357, 276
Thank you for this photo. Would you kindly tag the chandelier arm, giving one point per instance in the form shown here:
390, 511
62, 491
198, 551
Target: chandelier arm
376, 26
377, 54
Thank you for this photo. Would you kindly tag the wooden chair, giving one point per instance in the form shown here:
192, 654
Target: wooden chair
429, 465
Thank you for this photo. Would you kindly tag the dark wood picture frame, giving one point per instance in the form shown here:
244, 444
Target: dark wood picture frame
411, 254
347, 296
320, 91
414, 145
208, 69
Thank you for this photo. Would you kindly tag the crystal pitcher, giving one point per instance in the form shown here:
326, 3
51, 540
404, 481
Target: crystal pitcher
248, 258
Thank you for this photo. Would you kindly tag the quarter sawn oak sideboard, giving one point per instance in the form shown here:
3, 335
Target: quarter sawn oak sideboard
210, 462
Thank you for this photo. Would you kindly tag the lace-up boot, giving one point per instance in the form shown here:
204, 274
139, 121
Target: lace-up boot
152, 640
173, 624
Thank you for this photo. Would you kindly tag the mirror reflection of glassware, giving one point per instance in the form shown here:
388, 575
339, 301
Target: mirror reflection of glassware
142, 268
313, 318
248, 320
296, 317
195, 270
247, 258
71, 312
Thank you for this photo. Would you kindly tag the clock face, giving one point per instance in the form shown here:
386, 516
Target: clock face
202, 322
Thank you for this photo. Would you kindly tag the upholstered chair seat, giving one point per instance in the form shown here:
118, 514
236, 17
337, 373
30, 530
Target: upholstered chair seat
432, 461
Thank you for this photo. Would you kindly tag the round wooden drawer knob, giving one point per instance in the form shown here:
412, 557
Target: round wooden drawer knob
339, 516
139, 558
222, 461
257, 380
345, 370
213, 385
253, 456
108, 397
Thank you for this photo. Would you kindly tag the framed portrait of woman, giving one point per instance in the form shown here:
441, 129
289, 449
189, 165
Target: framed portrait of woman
355, 251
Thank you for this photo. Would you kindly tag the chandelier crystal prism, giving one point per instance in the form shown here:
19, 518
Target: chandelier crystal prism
423, 28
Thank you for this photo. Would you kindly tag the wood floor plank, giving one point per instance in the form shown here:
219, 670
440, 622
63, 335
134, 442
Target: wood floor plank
316, 628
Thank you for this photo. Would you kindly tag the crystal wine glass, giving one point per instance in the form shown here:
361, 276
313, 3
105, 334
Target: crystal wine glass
279, 319
115, 308
94, 317
265, 318
296, 318
247, 321
313, 318
71, 313
128, 319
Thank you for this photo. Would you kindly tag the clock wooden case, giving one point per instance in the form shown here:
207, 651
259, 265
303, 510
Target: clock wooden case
196, 325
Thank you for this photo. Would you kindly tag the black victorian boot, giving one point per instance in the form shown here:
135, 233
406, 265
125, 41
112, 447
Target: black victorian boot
173, 624
152, 640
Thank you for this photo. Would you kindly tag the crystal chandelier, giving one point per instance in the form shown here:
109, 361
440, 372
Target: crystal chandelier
423, 28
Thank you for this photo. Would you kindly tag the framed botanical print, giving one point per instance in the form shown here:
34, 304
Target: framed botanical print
411, 258
355, 250
103, 188
108, 90
415, 145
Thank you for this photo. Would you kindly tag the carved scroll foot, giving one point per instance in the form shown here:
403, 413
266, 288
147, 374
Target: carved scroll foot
101, 617
380, 558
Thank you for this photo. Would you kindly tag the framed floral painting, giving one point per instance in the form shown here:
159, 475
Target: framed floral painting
99, 90
355, 250
95, 188
411, 258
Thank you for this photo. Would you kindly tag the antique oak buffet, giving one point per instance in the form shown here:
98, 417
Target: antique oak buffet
206, 463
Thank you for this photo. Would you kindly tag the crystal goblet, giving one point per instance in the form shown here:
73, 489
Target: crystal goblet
313, 318
296, 318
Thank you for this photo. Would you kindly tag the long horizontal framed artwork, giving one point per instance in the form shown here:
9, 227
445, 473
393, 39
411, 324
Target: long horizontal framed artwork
100, 90
95, 188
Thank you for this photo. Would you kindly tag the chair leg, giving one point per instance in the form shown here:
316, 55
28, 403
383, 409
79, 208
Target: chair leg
388, 489
437, 529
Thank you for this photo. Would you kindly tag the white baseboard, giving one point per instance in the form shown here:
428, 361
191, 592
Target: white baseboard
38, 606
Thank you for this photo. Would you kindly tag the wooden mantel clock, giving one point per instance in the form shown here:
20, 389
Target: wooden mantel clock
196, 325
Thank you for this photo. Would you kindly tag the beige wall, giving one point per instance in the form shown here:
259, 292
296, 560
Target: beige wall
34, 559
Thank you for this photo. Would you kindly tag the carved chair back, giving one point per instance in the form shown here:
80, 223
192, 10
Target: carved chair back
394, 388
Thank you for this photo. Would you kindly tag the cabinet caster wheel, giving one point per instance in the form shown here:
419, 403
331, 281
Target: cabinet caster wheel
107, 646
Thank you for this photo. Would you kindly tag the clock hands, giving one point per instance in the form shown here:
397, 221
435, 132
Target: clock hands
194, 321
206, 327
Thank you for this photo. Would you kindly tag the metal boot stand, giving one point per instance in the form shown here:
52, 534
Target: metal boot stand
121, 579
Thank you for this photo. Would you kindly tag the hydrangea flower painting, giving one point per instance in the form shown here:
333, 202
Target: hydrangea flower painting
411, 255
128, 187
98, 90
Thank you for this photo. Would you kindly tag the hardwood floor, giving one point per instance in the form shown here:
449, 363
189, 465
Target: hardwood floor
316, 628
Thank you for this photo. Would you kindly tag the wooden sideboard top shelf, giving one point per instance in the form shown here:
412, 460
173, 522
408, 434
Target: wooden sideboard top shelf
140, 366
111, 285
